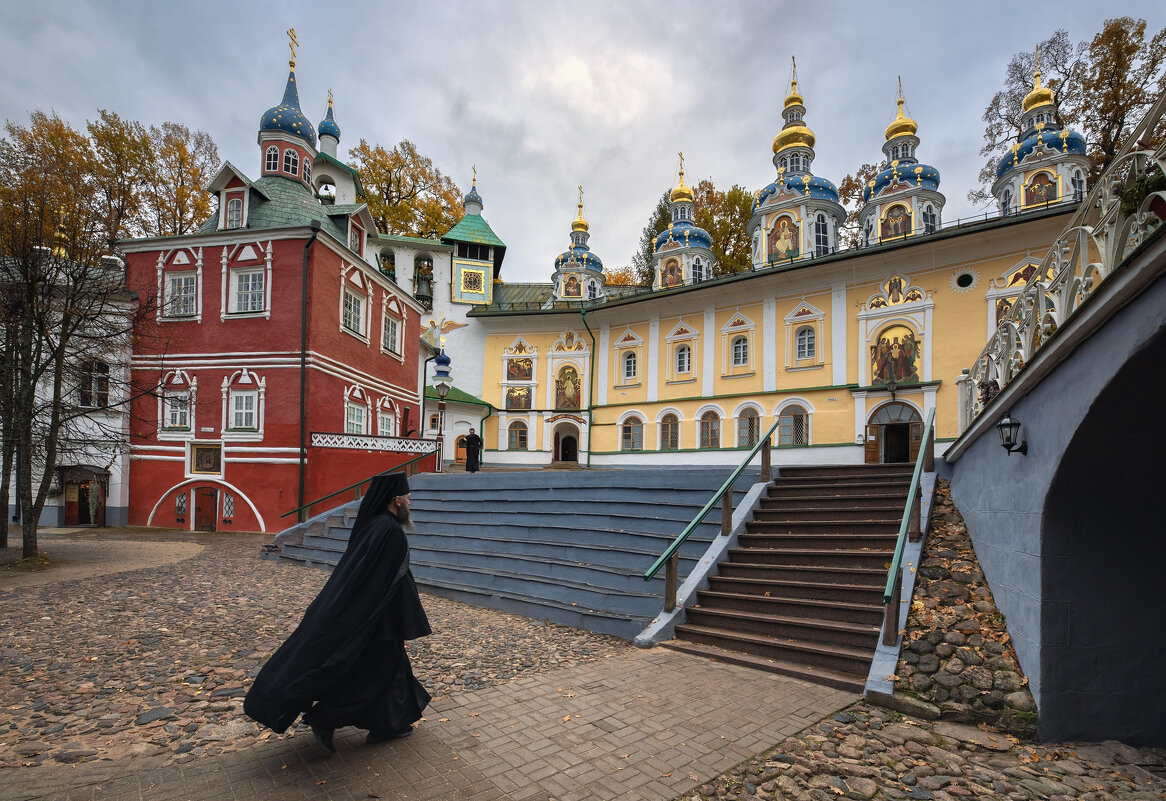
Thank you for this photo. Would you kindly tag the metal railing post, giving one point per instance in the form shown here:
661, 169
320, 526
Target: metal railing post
929, 453
727, 512
670, 579
914, 531
891, 613
765, 462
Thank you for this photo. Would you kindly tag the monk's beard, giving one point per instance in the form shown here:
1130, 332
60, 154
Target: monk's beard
402, 516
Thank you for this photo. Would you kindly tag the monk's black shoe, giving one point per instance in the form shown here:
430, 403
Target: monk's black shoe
323, 735
375, 737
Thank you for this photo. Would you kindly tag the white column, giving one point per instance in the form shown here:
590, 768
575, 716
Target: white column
859, 415
708, 368
838, 321
927, 345
653, 377
602, 379
769, 344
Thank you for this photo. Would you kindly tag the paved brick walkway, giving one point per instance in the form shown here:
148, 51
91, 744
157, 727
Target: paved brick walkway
642, 725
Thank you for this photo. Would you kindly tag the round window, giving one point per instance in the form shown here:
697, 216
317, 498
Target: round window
964, 280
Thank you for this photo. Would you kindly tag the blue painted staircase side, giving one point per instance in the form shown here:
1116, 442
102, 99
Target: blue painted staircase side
566, 546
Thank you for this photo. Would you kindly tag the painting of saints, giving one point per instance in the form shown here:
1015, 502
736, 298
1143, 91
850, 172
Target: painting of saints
518, 369
894, 356
517, 398
571, 288
672, 275
783, 239
895, 289
567, 389
1040, 189
896, 223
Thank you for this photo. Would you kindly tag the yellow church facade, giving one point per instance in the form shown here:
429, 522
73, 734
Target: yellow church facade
849, 351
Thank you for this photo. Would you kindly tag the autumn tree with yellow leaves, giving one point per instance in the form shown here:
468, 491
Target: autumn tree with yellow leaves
406, 193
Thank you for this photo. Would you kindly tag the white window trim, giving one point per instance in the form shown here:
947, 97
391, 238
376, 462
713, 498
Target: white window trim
354, 281
241, 382
227, 286
525, 424
386, 317
659, 421
729, 332
816, 319
625, 418
290, 151
362, 409
737, 414
682, 334
168, 296
181, 383
628, 342
273, 149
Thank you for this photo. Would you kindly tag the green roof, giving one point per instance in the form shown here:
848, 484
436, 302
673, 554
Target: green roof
473, 228
412, 240
455, 395
285, 203
337, 162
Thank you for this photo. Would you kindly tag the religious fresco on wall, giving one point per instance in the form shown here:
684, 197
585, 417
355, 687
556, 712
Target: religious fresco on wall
519, 369
518, 398
571, 289
784, 239
567, 389
672, 274
896, 222
895, 356
893, 291
1002, 307
1041, 189
569, 341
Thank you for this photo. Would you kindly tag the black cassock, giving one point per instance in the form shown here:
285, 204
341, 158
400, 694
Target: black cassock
348, 653
473, 453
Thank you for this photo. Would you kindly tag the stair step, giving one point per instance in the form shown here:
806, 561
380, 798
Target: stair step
788, 606
805, 588
822, 540
890, 526
815, 675
856, 576
843, 658
824, 632
813, 558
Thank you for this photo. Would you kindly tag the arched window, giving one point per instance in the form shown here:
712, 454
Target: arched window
629, 365
697, 270
748, 428
1078, 182
784, 163
669, 433
1006, 203
821, 236
895, 152
794, 428
307, 171
271, 163
516, 436
930, 219
740, 352
235, 212
632, 435
805, 342
868, 232
291, 162
592, 290
683, 359
710, 430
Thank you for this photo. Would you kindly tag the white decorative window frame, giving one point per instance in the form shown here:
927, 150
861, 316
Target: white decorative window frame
741, 407
696, 420
355, 396
682, 334
805, 314
244, 252
391, 310
805, 404
660, 428
225, 198
628, 342
625, 418
354, 282
730, 332
240, 382
167, 261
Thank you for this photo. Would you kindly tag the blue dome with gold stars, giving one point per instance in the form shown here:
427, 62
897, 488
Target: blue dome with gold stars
801, 184
684, 233
287, 116
473, 197
328, 126
1061, 141
911, 174
581, 255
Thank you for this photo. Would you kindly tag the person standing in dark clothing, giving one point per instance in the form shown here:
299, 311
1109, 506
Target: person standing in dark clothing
345, 664
473, 452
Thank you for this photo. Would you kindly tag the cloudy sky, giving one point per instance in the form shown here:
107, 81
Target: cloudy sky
543, 96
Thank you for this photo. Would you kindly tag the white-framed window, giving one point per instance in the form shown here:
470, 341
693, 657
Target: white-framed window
930, 219
244, 410
804, 340
794, 428
629, 365
1006, 203
176, 411
895, 152
592, 290
740, 346
355, 237
632, 435
1078, 184
235, 212
697, 270
748, 428
386, 424
784, 163
821, 236
291, 162
683, 359
271, 163
516, 436
391, 335
710, 430
354, 414
248, 295
307, 171
353, 317
669, 433
93, 384
181, 300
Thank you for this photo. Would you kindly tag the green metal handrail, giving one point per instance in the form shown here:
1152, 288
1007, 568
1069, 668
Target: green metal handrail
671, 550
910, 524
393, 469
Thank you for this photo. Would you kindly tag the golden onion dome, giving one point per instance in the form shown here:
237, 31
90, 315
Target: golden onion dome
902, 124
580, 224
797, 135
793, 98
681, 191
1040, 95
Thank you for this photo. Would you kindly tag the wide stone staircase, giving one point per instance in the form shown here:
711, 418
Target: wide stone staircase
801, 595
566, 546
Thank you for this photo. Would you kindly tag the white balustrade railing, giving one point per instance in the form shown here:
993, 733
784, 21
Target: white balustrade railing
364, 442
1095, 242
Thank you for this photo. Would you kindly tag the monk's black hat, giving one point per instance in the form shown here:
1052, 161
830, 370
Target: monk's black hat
395, 484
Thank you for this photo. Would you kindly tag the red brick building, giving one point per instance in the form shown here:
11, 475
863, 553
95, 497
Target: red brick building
286, 363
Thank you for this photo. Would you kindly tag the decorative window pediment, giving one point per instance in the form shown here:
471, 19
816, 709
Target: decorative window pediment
520, 348
895, 291
569, 341
738, 322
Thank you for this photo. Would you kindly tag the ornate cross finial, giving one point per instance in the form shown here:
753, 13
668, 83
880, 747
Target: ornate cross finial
293, 44
1036, 64
681, 154
329, 98
580, 195
474, 167
900, 87
793, 82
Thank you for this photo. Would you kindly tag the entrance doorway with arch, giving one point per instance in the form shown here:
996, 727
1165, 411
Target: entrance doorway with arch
459, 450
85, 488
566, 443
893, 434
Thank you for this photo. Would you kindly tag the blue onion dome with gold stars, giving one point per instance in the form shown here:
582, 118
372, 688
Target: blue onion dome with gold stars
901, 169
1043, 132
287, 116
472, 196
328, 126
579, 253
804, 184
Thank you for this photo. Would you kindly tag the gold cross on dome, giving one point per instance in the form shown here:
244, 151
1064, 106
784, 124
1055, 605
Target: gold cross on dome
580, 195
474, 167
329, 98
293, 44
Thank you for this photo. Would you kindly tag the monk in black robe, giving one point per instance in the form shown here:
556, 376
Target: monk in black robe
473, 452
345, 664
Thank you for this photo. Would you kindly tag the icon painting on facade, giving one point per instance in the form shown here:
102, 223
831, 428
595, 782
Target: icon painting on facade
895, 356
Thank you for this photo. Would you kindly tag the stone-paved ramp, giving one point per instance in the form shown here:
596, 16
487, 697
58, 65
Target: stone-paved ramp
643, 725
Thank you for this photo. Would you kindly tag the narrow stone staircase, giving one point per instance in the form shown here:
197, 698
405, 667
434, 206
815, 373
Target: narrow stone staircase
802, 594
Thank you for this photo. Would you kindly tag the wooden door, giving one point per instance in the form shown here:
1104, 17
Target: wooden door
915, 440
459, 450
72, 508
872, 445
206, 509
